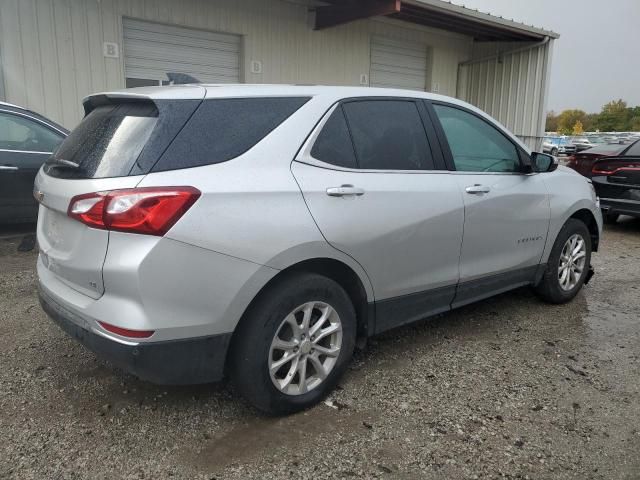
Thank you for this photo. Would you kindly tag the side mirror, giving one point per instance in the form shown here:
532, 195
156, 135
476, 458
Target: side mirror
541, 162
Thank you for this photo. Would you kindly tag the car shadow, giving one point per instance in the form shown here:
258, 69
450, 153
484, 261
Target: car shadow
625, 224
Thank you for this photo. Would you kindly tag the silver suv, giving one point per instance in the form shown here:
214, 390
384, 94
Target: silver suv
190, 232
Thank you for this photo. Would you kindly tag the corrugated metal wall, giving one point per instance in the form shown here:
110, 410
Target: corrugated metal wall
52, 50
510, 87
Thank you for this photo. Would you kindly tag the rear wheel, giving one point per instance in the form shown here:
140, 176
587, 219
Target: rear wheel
568, 264
554, 152
294, 344
610, 218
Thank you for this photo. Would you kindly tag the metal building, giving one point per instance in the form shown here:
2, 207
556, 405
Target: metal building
55, 52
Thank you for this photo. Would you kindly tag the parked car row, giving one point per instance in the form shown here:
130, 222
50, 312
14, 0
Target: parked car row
614, 170
567, 145
27, 139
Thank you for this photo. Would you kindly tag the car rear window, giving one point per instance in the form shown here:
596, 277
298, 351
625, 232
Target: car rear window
222, 129
138, 137
106, 143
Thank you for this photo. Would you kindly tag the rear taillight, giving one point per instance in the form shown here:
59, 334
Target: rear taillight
149, 211
614, 166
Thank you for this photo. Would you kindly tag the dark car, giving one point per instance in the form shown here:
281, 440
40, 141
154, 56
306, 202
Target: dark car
582, 162
26, 141
617, 183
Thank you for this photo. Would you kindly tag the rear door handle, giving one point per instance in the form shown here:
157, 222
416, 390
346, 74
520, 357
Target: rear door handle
477, 189
9, 168
345, 191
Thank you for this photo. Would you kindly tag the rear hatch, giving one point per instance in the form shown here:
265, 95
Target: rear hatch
119, 140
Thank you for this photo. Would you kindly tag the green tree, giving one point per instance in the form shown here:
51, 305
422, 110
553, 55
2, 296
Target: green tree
614, 117
589, 122
551, 124
568, 118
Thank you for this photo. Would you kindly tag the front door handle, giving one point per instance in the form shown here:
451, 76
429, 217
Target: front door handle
345, 191
8, 168
477, 189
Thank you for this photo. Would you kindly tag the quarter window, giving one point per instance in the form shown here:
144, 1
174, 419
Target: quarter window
634, 150
225, 128
388, 135
21, 134
333, 145
476, 146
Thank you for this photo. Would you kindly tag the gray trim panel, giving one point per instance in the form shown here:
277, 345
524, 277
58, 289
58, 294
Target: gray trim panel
395, 312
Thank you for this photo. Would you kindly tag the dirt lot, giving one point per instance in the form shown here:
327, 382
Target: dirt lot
505, 388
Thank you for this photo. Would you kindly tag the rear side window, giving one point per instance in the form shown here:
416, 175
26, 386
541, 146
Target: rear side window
388, 135
223, 129
106, 143
634, 150
333, 145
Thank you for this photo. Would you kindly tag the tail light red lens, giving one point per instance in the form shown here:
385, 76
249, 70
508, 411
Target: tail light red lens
148, 211
614, 166
125, 332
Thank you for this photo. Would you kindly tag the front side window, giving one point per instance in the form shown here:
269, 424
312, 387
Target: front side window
476, 145
388, 135
22, 134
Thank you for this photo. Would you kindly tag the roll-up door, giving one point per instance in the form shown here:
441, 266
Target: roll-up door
398, 64
151, 50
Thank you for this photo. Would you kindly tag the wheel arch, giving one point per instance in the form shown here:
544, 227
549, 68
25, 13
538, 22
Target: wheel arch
338, 271
586, 216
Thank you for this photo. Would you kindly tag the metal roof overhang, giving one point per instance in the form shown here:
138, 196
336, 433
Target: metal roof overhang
439, 14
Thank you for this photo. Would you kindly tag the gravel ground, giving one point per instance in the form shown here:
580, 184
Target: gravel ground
508, 387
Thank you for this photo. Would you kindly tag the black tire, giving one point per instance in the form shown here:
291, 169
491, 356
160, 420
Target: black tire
549, 289
554, 152
610, 218
250, 349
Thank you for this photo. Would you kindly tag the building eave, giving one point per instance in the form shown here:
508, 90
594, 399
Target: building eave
432, 13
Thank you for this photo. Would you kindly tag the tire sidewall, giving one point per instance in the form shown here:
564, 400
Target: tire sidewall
251, 370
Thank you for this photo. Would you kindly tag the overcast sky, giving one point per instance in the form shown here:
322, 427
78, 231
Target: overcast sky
597, 57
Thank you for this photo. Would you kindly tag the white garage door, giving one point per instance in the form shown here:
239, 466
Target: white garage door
398, 64
151, 50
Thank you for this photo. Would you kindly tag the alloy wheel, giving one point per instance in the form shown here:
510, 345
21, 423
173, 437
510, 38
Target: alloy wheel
572, 262
305, 348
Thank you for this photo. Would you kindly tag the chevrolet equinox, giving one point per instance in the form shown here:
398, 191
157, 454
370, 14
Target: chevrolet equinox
192, 232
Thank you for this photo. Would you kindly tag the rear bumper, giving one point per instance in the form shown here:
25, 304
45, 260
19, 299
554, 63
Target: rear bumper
620, 206
179, 362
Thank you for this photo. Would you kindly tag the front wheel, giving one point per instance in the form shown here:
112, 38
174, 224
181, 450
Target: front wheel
568, 264
294, 344
554, 152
